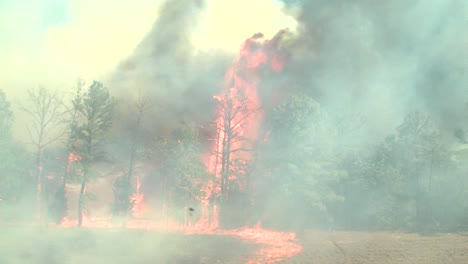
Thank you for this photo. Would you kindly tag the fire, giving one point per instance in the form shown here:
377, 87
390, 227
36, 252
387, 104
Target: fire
239, 112
237, 125
137, 201
278, 245
72, 157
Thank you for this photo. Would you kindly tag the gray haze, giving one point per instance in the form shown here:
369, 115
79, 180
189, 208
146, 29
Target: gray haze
165, 68
383, 59
354, 71
374, 60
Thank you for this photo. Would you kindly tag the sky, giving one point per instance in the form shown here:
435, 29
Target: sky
53, 42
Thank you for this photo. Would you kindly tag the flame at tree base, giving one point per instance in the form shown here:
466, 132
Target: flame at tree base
278, 245
237, 127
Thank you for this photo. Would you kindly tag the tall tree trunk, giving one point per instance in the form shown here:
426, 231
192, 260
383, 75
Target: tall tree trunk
60, 201
131, 164
66, 172
39, 183
81, 200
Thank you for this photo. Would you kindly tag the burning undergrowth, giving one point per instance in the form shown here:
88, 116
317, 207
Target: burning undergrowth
201, 144
212, 186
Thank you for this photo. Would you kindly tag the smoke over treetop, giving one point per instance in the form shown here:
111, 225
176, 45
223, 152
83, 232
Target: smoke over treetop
383, 59
166, 66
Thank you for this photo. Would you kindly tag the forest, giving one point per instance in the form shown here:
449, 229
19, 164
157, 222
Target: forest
324, 128
296, 173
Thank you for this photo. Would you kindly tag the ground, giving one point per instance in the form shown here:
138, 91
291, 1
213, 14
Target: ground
382, 248
33, 245
58, 245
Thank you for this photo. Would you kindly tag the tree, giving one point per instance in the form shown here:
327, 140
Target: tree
186, 172
405, 174
235, 112
14, 160
71, 117
299, 162
6, 117
45, 111
124, 186
94, 120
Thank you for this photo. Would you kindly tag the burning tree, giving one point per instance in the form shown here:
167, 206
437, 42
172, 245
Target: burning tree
93, 121
126, 189
239, 115
46, 113
235, 111
59, 206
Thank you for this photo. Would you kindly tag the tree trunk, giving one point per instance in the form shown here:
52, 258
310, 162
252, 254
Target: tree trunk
133, 148
81, 202
128, 187
39, 183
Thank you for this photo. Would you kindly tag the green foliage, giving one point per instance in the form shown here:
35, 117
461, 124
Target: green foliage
407, 177
14, 160
93, 122
94, 112
300, 155
14, 164
183, 165
6, 116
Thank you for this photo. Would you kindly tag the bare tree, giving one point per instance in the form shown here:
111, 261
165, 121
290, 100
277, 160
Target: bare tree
71, 119
45, 110
235, 114
141, 106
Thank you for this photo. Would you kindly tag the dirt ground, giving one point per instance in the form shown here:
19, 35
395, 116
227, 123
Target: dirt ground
381, 248
30, 245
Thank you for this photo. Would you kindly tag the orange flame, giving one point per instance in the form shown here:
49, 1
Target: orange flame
239, 107
137, 201
241, 84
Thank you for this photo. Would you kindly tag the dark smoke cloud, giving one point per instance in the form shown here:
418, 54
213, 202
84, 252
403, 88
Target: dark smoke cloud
377, 59
178, 80
383, 58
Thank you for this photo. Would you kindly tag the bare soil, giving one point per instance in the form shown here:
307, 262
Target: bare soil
381, 248
33, 245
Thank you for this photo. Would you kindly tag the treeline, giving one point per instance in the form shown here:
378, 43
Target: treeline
299, 172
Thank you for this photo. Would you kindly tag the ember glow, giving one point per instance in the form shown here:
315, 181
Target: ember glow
278, 246
207, 124
239, 116
239, 112
137, 202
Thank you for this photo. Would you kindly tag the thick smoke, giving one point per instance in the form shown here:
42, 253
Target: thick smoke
167, 70
367, 63
383, 59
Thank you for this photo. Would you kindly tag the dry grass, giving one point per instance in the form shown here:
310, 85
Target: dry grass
32, 245
106, 246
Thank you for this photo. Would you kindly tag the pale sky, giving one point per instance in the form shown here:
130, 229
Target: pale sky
52, 42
